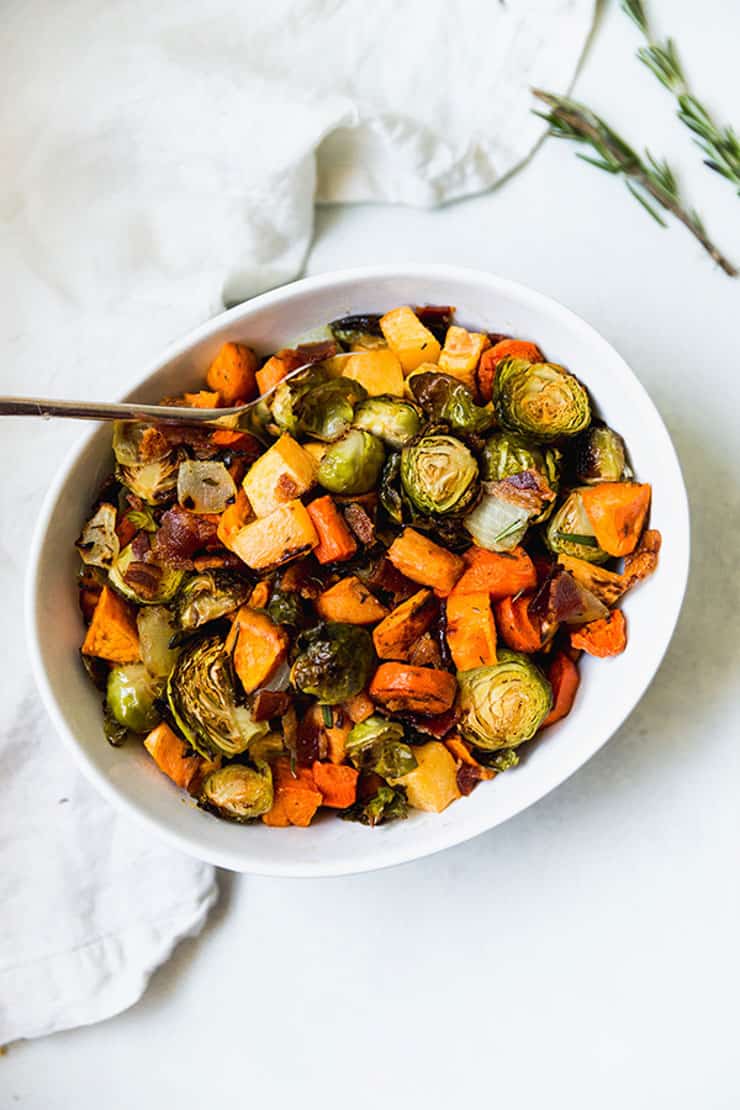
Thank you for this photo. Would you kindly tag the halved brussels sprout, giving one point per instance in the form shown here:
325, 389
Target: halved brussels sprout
204, 487
358, 331
449, 401
334, 663
267, 748
503, 705
156, 629
98, 545
127, 437
386, 803
439, 474
202, 696
376, 744
287, 608
209, 595
144, 583
154, 482
506, 454
131, 695
390, 419
327, 411
352, 464
570, 531
288, 395
601, 456
540, 399
237, 792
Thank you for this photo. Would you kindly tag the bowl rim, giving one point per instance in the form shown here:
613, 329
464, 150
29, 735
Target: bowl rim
408, 849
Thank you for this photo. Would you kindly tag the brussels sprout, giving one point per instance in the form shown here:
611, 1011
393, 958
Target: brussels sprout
352, 464
237, 792
570, 532
601, 456
506, 454
127, 438
505, 759
503, 705
439, 474
115, 733
389, 487
98, 545
154, 482
288, 395
387, 803
202, 696
334, 662
144, 583
204, 487
388, 418
156, 629
266, 748
209, 595
540, 399
448, 400
287, 608
377, 744
358, 331
131, 695
327, 411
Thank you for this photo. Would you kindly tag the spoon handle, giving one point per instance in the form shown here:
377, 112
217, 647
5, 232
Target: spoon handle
98, 410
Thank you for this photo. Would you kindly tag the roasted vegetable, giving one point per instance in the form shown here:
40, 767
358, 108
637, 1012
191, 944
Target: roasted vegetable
286, 400
604, 584
439, 474
617, 512
207, 596
432, 784
540, 399
470, 629
156, 629
384, 804
337, 784
518, 627
204, 487
377, 372
570, 531
296, 796
497, 524
604, 637
131, 696
326, 412
358, 331
447, 400
238, 792
143, 582
408, 338
278, 477
490, 359
334, 662
99, 544
270, 541
377, 745
285, 607
173, 756
425, 562
352, 465
563, 676
506, 454
396, 635
258, 646
503, 705
350, 601
232, 373
460, 355
336, 542
600, 455
202, 697
390, 419
500, 575
112, 632
561, 599
402, 688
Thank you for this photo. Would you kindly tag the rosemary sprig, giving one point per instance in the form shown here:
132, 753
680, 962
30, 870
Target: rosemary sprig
651, 182
720, 144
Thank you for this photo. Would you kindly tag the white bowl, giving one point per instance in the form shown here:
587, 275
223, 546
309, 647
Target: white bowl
609, 689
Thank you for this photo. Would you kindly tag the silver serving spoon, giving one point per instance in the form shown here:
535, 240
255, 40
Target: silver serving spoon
233, 418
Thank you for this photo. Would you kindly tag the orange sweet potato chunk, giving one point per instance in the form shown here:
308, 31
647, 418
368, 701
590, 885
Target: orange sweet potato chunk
112, 633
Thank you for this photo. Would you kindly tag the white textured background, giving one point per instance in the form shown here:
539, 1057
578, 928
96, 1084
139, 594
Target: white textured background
586, 953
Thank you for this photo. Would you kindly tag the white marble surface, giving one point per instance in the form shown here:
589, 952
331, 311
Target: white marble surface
584, 954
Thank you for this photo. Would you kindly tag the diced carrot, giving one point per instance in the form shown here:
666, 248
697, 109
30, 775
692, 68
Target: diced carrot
336, 542
337, 783
296, 797
505, 348
225, 437
470, 630
517, 628
604, 637
403, 688
564, 678
112, 632
502, 574
172, 756
425, 562
258, 645
617, 511
232, 373
397, 635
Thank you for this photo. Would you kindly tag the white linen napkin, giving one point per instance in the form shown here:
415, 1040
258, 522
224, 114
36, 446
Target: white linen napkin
161, 160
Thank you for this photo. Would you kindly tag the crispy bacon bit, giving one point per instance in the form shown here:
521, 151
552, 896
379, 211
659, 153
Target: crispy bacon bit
140, 546
218, 560
360, 523
144, 578
436, 317
153, 445
468, 778
180, 535
308, 748
528, 490
270, 703
439, 726
386, 578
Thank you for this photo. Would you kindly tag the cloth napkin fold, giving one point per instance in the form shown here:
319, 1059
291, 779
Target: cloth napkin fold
162, 160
